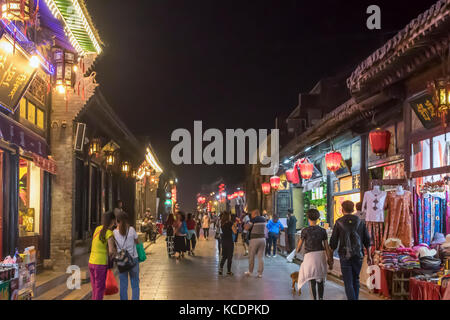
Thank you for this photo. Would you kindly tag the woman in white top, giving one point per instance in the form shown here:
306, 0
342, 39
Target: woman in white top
127, 238
205, 226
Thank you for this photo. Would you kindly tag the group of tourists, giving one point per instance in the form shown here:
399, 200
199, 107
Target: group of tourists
114, 240
181, 234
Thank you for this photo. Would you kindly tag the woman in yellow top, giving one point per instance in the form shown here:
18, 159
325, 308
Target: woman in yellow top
102, 247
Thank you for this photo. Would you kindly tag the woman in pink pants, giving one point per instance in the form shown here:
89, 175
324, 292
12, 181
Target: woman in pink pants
102, 247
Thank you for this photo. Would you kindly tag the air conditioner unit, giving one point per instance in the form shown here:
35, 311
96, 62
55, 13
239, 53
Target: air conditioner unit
79, 137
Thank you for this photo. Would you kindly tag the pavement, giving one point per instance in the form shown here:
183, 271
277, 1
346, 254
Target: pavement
196, 278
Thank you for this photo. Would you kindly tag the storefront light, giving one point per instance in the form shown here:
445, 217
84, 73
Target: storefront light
16, 10
126, 167
35, 62
95, 146
110, 159
61, 89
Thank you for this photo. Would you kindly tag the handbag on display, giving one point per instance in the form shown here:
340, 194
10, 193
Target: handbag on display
123, 258
142, 256
111, 286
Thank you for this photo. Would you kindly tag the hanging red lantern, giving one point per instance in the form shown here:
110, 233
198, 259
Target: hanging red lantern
306, 168
292, 175
230, 196
266, 187
241, 193
275, 182
379, 141
333, 160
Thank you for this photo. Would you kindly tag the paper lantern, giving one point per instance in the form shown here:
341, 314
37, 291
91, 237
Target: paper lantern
265, 187
241, 193
306, 168
379, 141
292, 175
275, 182
333, 160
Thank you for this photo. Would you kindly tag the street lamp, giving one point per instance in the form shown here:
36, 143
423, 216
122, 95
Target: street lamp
125, 167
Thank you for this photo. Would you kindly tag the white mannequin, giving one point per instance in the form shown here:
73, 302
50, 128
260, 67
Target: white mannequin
376, 190
400, 191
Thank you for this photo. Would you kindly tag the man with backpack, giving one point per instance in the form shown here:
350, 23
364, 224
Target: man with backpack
350, 237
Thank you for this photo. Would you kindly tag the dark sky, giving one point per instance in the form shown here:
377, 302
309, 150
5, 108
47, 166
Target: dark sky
231, 64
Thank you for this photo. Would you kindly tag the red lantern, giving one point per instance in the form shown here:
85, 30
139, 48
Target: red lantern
292, 175
379, 141
275, 182
266, 188
230, 196
306, 168
333, 160
241, 193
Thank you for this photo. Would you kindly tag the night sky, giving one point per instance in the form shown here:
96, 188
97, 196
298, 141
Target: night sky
232, 64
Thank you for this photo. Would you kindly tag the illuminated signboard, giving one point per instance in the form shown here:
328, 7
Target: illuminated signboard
16, 74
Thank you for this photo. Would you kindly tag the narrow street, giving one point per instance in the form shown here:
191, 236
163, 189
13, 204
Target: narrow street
196, 278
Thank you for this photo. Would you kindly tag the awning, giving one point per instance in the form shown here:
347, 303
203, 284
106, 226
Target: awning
16, 134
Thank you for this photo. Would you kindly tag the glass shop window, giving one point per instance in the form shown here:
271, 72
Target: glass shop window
420, 155
30, 187
441, 151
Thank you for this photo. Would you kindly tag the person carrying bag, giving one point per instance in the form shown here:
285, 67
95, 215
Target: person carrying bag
127, 258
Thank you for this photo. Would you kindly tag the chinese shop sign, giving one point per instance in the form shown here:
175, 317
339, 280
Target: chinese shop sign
425, 110
15, 74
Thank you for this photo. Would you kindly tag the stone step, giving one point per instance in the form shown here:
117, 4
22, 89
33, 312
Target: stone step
84, 293
56, 293
47, 280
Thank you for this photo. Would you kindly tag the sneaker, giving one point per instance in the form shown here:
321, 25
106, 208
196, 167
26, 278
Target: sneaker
274, 256
230, 273
247, 273
220, 272
259, 275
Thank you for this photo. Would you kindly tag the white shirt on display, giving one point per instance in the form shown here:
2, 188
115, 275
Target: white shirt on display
373, 205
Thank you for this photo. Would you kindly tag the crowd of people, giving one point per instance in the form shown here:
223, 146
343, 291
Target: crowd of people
260, 234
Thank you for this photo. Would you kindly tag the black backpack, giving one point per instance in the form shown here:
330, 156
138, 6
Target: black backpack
352, 241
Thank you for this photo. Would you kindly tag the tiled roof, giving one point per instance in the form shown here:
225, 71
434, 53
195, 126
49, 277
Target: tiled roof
396, 47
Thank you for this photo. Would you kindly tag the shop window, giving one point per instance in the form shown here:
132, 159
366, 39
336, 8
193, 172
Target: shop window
30, 187
32, 113
441, 151
420, 155
356, 156
338, 200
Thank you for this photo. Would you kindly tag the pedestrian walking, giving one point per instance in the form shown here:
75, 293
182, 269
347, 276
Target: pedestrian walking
170, 233
146, 227
257, 242
126, 239
218, 235
205, 225
274, 227
245, 220
317, 254
191, 238
102, 251
291, 230
228, 228
180, 230
350, 237
198, 225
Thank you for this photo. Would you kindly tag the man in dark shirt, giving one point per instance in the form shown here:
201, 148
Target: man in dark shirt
291, 229
350, 237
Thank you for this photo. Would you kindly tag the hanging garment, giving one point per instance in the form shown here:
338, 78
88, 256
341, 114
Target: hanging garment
376, 232
427, 220
420, 219
447, 218
373, 205
415, 221
398, 220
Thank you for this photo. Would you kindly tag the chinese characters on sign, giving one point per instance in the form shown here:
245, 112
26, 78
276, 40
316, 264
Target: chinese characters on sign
425, 110
15, 74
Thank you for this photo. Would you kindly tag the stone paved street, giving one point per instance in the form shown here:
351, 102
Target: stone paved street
197, 278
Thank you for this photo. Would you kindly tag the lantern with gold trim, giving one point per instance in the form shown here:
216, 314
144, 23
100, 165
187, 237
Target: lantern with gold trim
95, 146
126, 167
110, 159
440, 89
16, 10
64, 64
